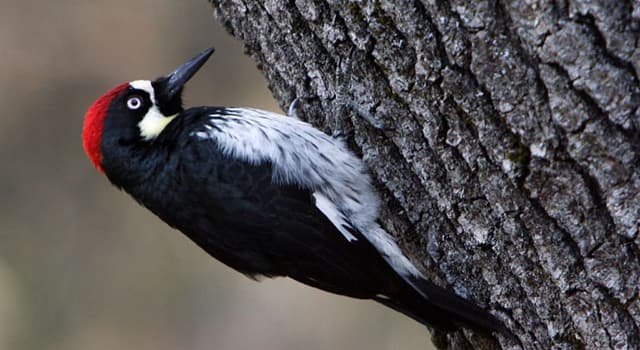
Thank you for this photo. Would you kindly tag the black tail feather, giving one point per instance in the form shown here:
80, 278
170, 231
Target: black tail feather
442, 309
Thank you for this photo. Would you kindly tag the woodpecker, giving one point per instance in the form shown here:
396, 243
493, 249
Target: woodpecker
266, 194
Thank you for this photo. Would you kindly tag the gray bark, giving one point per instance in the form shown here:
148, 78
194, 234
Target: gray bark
504, 138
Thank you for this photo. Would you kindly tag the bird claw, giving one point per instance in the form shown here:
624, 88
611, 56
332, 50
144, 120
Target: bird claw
294, 110
337, 134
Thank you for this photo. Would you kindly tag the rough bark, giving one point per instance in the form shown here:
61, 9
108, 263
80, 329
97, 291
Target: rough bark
504, 137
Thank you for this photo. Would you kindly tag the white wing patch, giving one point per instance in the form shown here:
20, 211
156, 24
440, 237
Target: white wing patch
301, 155
304, 156
334, 215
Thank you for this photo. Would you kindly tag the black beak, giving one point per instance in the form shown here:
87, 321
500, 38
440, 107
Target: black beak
169, 88
180, 76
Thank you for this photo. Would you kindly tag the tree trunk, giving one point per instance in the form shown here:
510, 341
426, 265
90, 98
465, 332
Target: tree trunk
504, 138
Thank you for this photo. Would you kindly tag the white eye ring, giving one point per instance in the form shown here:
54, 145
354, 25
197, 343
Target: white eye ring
134, 102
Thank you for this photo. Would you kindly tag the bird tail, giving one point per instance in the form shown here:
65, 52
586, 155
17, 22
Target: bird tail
442, 309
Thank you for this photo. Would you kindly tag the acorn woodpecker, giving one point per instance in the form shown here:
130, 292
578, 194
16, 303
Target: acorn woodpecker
266, 194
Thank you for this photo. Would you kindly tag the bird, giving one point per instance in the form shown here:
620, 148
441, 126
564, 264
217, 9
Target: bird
268, 195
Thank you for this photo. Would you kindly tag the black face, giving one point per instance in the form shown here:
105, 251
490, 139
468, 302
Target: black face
138, 115
124, 114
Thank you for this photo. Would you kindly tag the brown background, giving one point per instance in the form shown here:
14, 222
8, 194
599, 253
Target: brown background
81, 265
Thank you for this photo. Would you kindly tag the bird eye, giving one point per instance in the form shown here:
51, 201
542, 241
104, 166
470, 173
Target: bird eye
134, 102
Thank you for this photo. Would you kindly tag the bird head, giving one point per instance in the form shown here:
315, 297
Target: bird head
136, 112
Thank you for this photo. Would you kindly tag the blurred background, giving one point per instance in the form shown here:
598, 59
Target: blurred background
84, 267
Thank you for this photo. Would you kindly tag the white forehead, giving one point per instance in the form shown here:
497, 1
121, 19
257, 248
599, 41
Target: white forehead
144, 85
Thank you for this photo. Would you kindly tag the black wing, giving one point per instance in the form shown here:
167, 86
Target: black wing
277, 230
233, 210
285, 234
